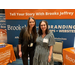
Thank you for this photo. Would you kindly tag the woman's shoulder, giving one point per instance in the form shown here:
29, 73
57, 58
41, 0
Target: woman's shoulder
24, 29
38, 35
50, 33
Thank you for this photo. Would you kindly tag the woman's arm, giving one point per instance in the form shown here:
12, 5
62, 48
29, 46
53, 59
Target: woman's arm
20, 53
21, 41
19, 46
50, 53
51, 43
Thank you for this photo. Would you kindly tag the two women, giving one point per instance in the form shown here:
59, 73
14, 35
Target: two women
44, 43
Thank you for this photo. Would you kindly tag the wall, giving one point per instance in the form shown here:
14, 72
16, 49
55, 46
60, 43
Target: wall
3, 31
60, 21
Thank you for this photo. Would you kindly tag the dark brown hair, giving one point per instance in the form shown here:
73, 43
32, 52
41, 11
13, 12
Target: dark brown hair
34, 32
40, 31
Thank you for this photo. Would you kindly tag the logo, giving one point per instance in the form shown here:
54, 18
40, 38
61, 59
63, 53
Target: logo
19, 27
73, 50
70, 59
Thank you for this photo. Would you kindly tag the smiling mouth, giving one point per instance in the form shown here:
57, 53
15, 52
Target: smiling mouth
43, 28
32, 25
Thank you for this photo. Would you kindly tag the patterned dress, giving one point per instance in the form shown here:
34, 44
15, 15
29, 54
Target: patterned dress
42, 50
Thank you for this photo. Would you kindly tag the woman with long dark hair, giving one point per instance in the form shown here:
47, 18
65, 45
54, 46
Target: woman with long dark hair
27, 39
44, 45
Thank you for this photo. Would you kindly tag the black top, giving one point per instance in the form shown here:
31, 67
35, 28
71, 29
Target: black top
21, 40
25, 44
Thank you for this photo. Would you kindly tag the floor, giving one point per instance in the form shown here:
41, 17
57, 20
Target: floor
19, 62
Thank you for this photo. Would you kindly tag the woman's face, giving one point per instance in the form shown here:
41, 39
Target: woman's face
31, 23
43, 26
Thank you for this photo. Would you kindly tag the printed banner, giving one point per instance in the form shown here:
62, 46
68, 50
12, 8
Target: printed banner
63, 27
3, 31
40, 13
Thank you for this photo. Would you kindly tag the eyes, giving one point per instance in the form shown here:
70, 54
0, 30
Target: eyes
42, 25
32, 22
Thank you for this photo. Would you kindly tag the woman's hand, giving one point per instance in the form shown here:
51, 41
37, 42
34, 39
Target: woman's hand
49, 58
50, 53
20, 54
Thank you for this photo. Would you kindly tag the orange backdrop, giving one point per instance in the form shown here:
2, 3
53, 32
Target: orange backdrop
40, 13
